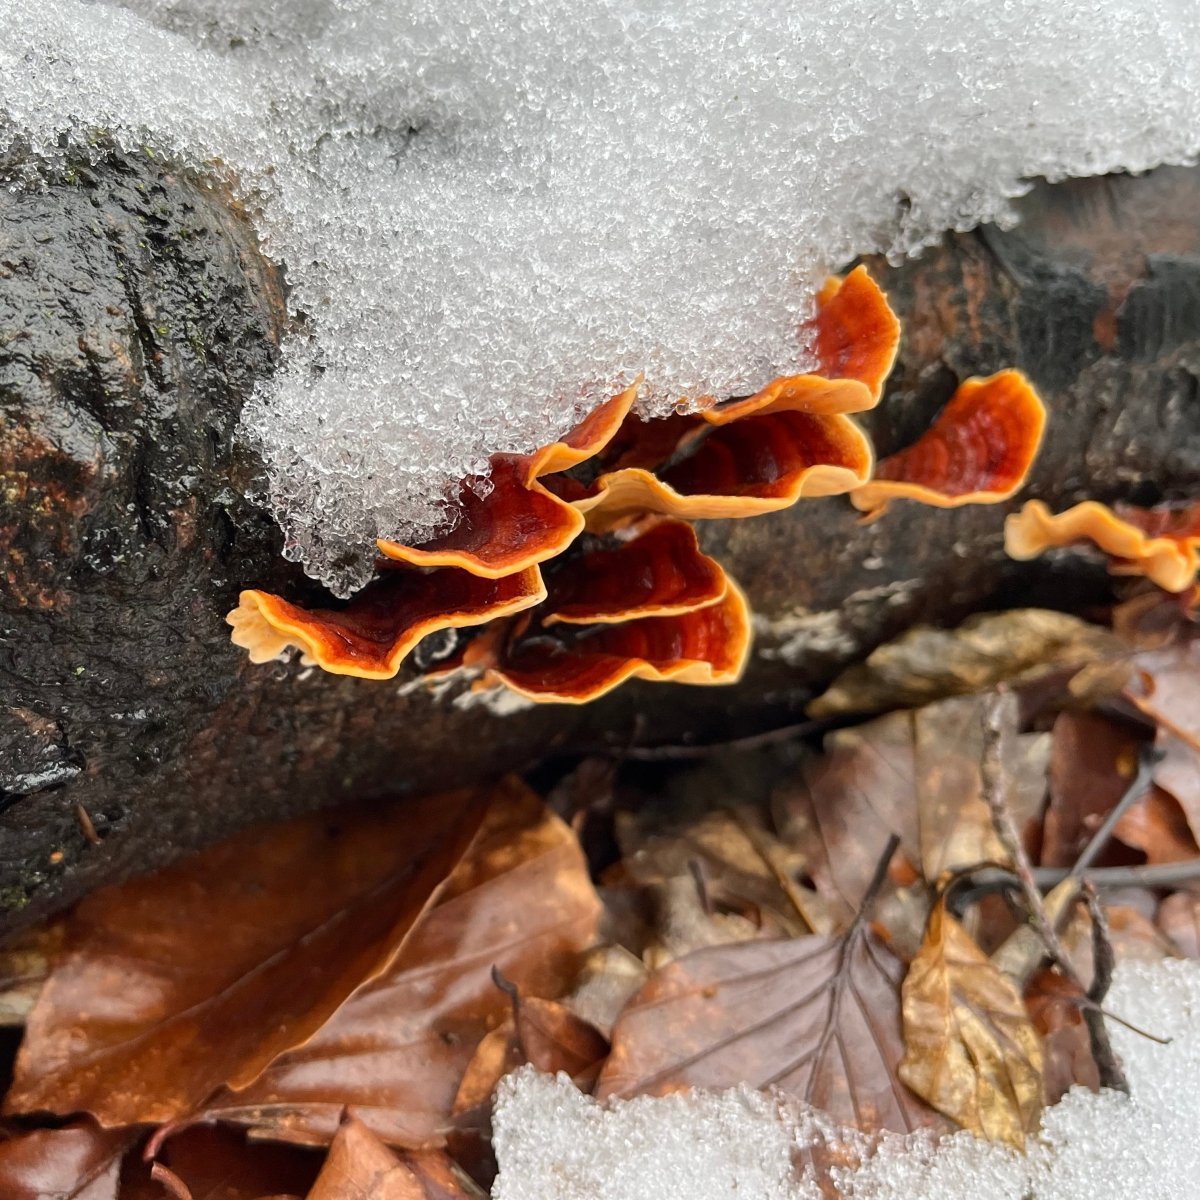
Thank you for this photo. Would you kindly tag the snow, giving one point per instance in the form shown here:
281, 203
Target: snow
494, 215
553, 1143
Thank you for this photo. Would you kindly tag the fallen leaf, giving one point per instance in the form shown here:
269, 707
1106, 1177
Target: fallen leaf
175, 984
212, 1162
915, 774
520, 900
840, 813
1054, 1004
817, 1017
926, 664
608, 980
1156, 825
542, 1033
1179, 918
81, 1161
1092, 762
970, 1048
360, 1167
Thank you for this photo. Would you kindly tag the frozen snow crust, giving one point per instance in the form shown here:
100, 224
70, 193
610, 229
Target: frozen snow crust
553, 1143
494, 215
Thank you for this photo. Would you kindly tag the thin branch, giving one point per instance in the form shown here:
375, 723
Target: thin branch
1112, 1074
1148, 758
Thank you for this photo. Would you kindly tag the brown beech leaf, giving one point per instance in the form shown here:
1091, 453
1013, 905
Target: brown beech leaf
1179, 918
927, 664
81, 1161
520, 900
211, 1162
360, 1167
175, 984
818, 1017
849, 801
970, 1047
1092, 762
1055, 1008
543, 1033
915, 774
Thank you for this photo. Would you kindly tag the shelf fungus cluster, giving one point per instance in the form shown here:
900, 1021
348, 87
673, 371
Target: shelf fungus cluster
581, 563
1160, 543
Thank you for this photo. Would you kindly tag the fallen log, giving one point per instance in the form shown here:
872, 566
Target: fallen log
137, 313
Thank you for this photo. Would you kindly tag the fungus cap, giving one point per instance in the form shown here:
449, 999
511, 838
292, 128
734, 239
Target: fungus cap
978, 451
381, 625
708, 645
519, 522
1160, 543
655, 570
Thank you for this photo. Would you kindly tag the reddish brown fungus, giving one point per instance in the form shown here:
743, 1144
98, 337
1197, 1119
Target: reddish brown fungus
376, 630
978, 451
520, 521
572, 665
1161, 543
659, 571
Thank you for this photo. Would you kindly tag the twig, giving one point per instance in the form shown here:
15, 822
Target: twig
991, 771
1148, 758
1147, 875
675, 753
872, 891
1112, 1075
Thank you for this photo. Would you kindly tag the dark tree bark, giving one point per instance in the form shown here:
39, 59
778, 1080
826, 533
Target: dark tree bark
136, 315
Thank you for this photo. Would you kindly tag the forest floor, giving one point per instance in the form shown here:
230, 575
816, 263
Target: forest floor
901, 919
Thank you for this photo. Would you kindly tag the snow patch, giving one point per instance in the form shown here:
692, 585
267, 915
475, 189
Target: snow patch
552, 1143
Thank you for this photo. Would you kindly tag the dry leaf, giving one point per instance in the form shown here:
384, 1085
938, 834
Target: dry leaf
81, 1161
175, 984
1156, 825
1054, 1004
542, 1033
1092, 763
519, 900
925, 664
728, 850
215, 1163
915, 774
970, 1048
1179, 918
848, 803
360, 1167
817, 1017
608, 980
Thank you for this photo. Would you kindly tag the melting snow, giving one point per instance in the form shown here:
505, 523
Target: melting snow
553, 1143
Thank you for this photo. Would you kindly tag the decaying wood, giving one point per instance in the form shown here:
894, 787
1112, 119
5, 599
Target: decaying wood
136, 315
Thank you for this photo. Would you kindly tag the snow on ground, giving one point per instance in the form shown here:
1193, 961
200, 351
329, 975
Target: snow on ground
494, 214
553, 1143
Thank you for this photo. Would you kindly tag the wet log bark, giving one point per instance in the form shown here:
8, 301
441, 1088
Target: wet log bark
136, 315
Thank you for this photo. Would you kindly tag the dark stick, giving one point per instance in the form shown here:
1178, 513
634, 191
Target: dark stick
1112, 1075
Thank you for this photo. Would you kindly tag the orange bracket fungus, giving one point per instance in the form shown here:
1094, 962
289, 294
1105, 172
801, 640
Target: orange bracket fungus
574, 665
1161, 543
978, 451
519, 522
789, 440
627, 592
376, 630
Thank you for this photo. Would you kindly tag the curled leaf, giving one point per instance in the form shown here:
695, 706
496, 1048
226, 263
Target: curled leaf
175, 984
978, 451
970, 1048
521, 901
